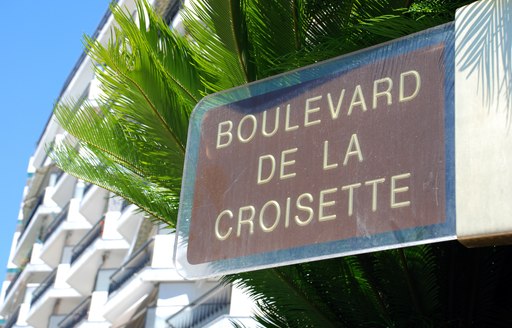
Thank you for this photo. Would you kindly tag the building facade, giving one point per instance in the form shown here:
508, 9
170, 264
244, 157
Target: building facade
83, 257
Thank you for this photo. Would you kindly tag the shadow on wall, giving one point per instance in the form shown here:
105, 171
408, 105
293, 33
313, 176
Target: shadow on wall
486, 50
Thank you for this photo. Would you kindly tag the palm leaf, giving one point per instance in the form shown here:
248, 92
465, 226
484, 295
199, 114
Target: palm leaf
268, 44
218, 31
139, 126
90, 165
282, 294
410, 279
134, 75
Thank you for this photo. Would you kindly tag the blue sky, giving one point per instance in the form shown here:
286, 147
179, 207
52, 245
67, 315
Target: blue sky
40, 42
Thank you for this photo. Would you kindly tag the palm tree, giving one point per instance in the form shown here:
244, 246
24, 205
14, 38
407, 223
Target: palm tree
133, 143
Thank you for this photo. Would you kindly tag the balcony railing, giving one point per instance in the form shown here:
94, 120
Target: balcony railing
88, 186
34, 209
210, 306
88, 239
140, 259
59, 175
124, 205
43, 287
13, 318
13, 281
76, 316
56, 223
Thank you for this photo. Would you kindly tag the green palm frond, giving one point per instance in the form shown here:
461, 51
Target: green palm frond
269, 44
363, 291
149, 77
289, 34
136, 133
218, 31
397, 25
409, 283
283, 32
92, 166
285, 298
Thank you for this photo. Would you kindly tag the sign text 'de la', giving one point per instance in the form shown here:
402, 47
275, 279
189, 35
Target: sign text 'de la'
353, 157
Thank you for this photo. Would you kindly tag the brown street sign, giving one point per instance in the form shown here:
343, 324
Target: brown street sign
342, 157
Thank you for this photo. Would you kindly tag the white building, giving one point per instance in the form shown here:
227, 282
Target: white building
81, 257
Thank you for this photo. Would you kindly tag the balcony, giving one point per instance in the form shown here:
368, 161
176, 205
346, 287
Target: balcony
43, 287
129, 221
13, 282
94, 203
206, 309
87, 187
132, 266
87, 240
32, 228
35, 207
38, 177
59, 175
101, 247
76, 316
67, 228
33, 271
52, 227
13, 318
124, 205
63, 188
51, 292
132, 284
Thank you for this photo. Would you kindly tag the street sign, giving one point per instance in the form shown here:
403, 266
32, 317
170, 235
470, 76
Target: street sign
347, 156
